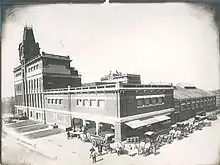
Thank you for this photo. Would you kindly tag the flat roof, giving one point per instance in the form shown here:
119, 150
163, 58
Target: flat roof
89, 84
107, 87
54, 56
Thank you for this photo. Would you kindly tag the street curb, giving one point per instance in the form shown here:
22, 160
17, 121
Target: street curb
26, 144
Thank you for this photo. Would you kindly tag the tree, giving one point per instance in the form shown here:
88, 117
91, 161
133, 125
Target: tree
8, 105
12, 105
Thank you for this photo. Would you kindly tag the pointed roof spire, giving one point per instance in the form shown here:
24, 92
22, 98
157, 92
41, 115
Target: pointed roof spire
28, 35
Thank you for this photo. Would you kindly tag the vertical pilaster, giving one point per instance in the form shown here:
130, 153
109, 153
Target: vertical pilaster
118, 85
84, 122
118, 131
69, 99
97, 127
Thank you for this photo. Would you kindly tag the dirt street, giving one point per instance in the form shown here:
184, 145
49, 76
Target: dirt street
14, 153
201, 147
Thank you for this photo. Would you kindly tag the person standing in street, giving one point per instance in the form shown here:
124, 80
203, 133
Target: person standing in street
68, 135
130, 150
94, 157
100, 149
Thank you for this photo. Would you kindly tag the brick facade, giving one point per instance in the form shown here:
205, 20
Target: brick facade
37, 72
49, 90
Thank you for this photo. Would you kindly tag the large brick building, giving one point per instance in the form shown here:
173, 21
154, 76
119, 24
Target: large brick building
217, 95
49, 90
37, 72
126, 108
190, 101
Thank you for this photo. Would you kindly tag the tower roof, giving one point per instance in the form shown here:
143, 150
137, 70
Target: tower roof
28, 35
28, 48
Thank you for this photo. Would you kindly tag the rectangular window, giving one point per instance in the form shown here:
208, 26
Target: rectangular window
37, 66
93, 103
140, 102
60, 101
56, 101
101, 103
31, 84
37, 83
41, 100
160, 100
34, 83
78, 102
86, 102
52, 101
146, 101
153, 101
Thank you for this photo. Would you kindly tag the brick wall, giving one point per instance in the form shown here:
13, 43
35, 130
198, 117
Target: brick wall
129, 105
57, 102
110, 108
61, 119
57, 82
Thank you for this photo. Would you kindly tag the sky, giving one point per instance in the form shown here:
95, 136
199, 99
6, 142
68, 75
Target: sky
174, 43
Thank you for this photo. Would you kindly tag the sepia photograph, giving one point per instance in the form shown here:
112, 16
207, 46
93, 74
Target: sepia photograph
111, 83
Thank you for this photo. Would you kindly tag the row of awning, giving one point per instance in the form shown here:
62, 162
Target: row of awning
140, 123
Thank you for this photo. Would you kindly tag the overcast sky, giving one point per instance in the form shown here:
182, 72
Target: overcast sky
162, 42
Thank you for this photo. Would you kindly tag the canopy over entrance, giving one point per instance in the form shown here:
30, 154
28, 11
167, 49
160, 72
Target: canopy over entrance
145, 122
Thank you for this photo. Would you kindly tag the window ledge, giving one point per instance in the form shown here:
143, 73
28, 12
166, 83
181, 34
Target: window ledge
150, 105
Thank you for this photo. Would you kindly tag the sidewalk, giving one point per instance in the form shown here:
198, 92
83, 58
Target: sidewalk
13, 135
58, 145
